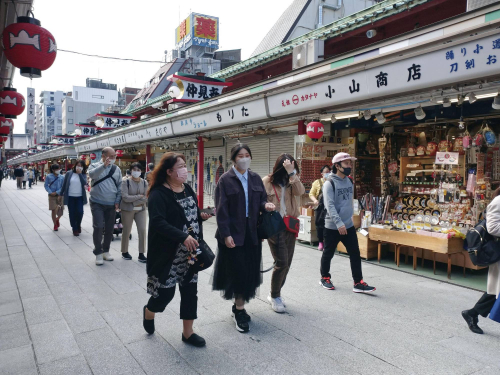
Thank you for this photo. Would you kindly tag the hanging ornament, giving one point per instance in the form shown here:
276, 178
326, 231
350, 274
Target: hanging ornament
119, 153
421, 150
444, 146
489, 136
4, 130
466, 139
315, 130
458, 145
12, 103
412, 149
92, 156
29, 47
6, 122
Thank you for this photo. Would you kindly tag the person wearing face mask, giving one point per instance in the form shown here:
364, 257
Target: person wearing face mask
240, 197
175, 226
282, 188
53, 185
133, 206
316, 195
105, 197
339, 226
75, 195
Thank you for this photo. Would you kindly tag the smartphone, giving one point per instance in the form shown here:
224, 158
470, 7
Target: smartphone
210, 211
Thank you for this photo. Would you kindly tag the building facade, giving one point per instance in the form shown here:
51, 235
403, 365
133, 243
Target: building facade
49, 115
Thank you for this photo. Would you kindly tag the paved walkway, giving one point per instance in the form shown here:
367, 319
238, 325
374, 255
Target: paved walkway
60, 314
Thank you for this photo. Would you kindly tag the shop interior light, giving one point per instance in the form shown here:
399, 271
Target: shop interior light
472, 98
99, 123
380, 118
461, 123
496, 102
78, 131
460, 99
367, 114
419, 113
446, 102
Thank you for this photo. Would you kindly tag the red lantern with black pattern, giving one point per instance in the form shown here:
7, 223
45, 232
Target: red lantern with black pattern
315, 130
83, 157
92, 156
119, 153
12, 103
29, 47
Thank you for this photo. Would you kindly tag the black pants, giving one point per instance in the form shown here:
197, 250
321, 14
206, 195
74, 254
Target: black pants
320, 232
189, 300
484, 305
350, 241
24, 184
75, 208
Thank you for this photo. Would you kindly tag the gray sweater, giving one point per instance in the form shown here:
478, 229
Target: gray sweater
339, 205
109, 191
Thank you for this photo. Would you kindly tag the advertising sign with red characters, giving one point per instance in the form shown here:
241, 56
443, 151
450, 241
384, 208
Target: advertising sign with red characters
197, 30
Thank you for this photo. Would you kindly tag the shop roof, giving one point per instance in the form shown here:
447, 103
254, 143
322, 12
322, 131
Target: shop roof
369, 15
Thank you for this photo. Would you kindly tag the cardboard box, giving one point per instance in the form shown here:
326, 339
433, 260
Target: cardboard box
305, 211
368, 249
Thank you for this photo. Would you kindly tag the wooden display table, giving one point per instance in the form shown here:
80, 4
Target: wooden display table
446, 246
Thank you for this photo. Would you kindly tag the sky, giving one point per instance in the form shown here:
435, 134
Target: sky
134, 29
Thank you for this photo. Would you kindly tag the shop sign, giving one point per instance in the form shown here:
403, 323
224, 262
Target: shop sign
136, 136
118, 140
87, 147
88, 131
159, 131
242, 113
63, 140
193, 89
30, 114
450, 65
103, 143
447, 158
199, 30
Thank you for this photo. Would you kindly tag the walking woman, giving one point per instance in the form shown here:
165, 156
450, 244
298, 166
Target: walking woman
282, 188
133, 206
487, 300
53, 185
25, 177
175, 226
31, 176
316, 195
239, 199
75, 195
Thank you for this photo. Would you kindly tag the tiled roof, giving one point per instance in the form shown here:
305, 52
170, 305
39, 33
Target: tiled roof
131, 111
354, 21
278, 32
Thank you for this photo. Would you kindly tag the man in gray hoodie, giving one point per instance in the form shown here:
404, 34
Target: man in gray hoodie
105, 197
339, 226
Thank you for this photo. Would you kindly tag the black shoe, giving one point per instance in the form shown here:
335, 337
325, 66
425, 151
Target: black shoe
242, 312
326, 283
363, 287
472, 322
126, 256
142, 258
149, 325
194, 340
241, 319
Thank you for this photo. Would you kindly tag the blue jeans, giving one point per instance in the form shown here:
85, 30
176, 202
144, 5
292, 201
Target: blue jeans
75, 209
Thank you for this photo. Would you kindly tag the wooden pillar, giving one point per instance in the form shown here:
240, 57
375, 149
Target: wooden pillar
200, 165
149, 157
302, 128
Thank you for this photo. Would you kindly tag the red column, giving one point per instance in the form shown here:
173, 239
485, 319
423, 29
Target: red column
43, 170
302, 129
149, 157
201, 160
66, 165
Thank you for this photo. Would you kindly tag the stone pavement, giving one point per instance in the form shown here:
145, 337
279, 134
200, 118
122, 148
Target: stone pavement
60, 314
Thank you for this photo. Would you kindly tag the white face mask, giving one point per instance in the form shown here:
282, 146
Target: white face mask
112, 161
326, 175
136, 174
79, 169
243, 163
58, 171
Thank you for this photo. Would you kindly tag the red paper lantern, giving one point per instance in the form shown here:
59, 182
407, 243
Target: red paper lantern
4, 139
6, 122
315, 130
29, 47
92, 156
83, 157
11, 102
119, 153
4, 130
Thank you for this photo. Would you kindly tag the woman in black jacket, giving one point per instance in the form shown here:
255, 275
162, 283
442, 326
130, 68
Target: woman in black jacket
175, 225
240, 197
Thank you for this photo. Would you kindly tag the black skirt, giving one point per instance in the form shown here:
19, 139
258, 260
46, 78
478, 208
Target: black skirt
237, 270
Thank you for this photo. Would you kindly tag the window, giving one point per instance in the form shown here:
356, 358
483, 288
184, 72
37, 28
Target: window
98, 96
70, 109
52, 98
70, 121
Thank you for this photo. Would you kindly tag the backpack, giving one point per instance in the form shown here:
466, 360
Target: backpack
483, 248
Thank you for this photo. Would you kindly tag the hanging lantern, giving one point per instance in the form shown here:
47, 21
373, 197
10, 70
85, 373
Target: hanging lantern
93, 156
12, 103
3, 139
83, 157
6, 122
315, 130
119, 153
4, 130
29, 47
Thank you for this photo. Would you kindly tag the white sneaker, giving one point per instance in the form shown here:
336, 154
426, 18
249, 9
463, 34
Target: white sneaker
99, 261
107, 256
276, 304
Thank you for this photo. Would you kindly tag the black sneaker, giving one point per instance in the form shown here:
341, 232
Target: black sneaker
363, 287
472, 322
126, 256
142, 258
241, 318
326, 283
149, 325
194, 340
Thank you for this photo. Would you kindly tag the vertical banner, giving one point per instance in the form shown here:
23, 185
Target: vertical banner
30, 112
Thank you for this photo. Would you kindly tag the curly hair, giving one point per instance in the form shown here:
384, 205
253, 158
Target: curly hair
159, 175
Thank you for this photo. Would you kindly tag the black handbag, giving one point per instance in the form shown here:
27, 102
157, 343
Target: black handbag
269, 224
483, 248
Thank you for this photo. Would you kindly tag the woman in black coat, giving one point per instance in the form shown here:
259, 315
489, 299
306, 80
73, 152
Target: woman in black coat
240, 197
175, 225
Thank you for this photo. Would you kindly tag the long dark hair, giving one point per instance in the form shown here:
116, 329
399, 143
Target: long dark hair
159, 175
236, 150
279, 172
82, 163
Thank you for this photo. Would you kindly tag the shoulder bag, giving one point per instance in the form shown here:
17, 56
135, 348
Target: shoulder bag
292, 223
109, 175
483, 248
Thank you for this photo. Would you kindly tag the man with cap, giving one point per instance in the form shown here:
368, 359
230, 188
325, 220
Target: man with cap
339, 226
